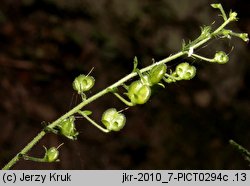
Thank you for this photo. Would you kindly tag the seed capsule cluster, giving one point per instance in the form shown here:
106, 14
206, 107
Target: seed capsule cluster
139, 91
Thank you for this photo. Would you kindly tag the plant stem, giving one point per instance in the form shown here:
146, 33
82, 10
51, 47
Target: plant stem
124, 100
93, 122
25, 150
203, 58
40, 135
34, 159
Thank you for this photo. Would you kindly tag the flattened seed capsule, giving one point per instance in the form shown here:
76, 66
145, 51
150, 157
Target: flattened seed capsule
113, 120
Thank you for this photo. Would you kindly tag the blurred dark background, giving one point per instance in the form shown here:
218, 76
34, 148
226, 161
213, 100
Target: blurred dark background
44, 44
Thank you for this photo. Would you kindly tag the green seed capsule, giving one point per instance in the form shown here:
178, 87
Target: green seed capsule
51, 155
184, 71
221, 57
244, 36
67, 128
83, 83
113, 120
156, 73
138, 92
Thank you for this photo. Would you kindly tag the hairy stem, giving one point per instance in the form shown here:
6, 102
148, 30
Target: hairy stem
40, 135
